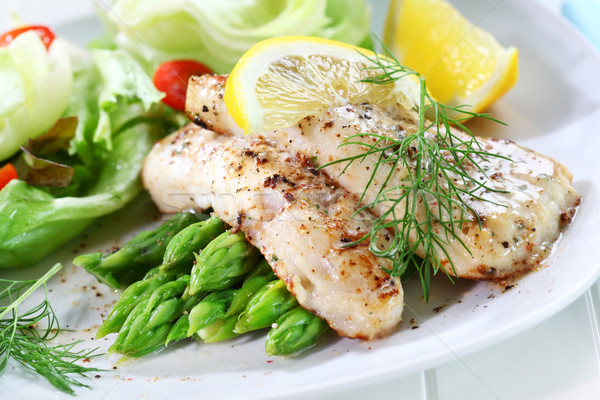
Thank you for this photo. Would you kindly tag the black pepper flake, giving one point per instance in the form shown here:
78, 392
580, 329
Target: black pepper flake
204, 108
438, 309
505, 245
239, 219
288, 196
249, 153
198, 121
273, 180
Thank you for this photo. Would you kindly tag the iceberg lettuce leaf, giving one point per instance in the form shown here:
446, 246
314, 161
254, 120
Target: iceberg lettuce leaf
217, 33
123, 77
35, 89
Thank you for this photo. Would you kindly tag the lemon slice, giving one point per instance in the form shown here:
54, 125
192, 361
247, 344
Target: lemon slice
463, 64
282, 80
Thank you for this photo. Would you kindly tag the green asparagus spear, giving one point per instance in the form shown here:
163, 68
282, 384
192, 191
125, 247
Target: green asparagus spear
136, 257
182, 325
131, 331
126, 328
211, 308
295, 332
258, 278
180, 250
179, 330
223, 262
221, 329
149, 324
265, 307
208, 320
133, 295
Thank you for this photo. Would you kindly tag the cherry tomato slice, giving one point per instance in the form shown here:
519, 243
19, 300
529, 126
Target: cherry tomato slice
172, 78
46, 34
7, 174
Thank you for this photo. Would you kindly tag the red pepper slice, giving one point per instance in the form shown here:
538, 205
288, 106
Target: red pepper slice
7, 174
172, 78
45, 33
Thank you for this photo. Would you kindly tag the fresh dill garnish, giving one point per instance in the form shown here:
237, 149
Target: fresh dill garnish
426, 206
23, 336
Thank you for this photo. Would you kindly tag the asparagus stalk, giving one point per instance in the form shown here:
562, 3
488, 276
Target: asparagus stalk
147, 327
258, 278
211, 308
208, 319
295, 332
265, 307
179, 330
216, 316
180, 250
127, 325
223, 262
132, 296
221, 329
136, 257
224, 328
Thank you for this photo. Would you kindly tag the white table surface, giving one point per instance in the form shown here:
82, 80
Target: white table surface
557, 359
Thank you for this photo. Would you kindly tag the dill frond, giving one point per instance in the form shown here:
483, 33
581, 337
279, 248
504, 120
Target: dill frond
24, 336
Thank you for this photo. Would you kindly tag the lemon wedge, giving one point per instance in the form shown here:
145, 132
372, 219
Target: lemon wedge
462, 63
280, 81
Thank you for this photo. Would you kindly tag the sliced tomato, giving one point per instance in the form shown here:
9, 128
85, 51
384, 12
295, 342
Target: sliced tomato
172, 78
46, 34
7, 174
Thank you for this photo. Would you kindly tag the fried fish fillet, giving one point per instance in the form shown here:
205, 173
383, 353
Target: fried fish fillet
300, 219
515, 218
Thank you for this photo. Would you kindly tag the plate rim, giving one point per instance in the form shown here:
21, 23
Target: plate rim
374, 376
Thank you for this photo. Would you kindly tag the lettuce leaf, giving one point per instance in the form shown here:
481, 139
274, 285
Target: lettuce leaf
217, 33
123, 77
102, 97
35, 223
35, 87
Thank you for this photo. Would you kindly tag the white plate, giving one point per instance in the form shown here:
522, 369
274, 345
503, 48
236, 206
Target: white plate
555, 108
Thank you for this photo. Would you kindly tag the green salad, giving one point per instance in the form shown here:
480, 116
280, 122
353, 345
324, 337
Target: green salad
88, 168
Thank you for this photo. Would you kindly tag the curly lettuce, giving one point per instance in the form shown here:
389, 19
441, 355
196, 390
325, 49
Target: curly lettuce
217, 33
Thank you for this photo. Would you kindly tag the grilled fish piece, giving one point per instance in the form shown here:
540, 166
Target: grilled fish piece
301, 221
527, 201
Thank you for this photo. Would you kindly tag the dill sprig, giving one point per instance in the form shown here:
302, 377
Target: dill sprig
24, 336
427, 207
